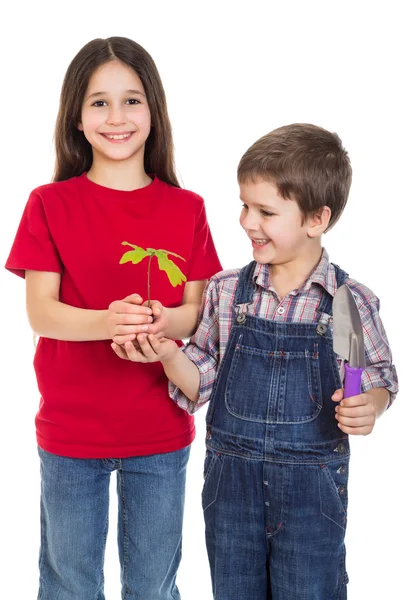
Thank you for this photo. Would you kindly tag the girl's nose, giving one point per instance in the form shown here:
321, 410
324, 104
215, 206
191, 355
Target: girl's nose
115, 116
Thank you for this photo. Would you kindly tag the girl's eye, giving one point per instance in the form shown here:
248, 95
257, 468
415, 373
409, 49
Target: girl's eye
266, 214
133, 101
99, 103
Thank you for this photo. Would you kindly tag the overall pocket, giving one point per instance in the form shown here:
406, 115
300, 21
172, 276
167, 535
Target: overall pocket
274, 387
333, 479
212, 472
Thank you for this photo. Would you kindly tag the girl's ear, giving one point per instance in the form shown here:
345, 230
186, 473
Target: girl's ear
80, 126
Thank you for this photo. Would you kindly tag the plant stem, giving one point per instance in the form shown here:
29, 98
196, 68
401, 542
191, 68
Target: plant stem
149, 280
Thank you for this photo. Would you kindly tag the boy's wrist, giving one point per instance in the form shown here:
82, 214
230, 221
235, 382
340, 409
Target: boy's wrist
172, 359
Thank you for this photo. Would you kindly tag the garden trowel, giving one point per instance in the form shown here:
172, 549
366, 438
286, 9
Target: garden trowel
348, 339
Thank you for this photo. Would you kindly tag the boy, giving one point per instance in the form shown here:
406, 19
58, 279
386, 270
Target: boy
276, 469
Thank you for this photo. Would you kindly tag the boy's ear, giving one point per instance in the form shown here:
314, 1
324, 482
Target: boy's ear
318, 222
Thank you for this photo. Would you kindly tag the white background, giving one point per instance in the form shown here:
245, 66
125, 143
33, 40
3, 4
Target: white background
232, 72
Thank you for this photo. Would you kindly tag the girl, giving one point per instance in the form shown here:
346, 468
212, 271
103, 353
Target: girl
81, 245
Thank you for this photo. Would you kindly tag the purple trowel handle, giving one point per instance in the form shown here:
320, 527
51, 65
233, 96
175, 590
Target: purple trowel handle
352, 381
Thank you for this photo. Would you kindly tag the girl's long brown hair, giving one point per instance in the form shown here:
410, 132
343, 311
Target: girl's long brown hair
73, 152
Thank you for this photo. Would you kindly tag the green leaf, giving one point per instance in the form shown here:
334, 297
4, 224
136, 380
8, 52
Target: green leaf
135, 256
172, 254
127, 257
175, 276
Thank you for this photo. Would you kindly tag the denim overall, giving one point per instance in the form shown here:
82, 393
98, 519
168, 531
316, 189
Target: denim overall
276, 468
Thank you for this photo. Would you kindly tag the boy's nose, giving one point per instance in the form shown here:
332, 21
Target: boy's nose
249, 223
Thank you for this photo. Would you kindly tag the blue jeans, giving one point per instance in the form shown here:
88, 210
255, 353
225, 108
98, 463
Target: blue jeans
74, 524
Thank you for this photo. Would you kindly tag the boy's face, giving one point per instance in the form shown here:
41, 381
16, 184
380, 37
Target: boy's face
273, 224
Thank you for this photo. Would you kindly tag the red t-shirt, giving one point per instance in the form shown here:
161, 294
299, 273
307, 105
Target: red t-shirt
94, 404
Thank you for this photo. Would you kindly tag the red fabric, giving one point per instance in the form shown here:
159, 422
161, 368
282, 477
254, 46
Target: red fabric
93, 404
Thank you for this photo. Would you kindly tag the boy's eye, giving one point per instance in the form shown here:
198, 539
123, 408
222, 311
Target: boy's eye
244, 206
265, 213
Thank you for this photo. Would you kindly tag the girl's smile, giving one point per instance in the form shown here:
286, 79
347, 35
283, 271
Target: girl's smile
115, 116
118, 138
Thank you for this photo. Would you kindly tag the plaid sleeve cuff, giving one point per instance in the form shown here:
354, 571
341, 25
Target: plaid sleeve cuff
207, 366
375, 377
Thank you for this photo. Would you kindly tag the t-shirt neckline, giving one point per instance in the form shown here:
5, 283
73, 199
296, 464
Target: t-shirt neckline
112, 191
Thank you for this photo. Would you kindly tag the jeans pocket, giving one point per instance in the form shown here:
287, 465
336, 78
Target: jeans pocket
212, 472
333, 480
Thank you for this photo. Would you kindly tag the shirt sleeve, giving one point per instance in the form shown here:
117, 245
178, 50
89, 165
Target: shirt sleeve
204, 261
379, 371
33, 247
203, 350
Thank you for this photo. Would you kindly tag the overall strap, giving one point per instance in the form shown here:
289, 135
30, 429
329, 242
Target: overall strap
245, 288
325, 305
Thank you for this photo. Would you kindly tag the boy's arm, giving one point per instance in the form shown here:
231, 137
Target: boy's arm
184, 374
357, 415
201, 359
180, 370
181, 321
203, 351
380, 398
380, 372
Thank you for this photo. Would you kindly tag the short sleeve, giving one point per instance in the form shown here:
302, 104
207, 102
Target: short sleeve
204, 261
33, 247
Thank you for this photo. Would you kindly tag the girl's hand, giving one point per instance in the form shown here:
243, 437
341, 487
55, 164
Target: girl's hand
151, 349
128, 317
355, 415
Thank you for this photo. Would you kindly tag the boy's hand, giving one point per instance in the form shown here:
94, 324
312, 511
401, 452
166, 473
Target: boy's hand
355, 415
160, 322
127, 318
151, 349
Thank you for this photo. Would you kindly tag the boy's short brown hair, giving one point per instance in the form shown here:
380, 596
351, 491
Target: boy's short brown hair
307, 163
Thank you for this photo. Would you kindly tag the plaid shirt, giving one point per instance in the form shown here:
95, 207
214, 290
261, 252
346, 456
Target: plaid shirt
207, 346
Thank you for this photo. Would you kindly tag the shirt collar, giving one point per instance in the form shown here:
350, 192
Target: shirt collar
323, 274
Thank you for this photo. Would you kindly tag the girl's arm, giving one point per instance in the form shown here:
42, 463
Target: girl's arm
51, 318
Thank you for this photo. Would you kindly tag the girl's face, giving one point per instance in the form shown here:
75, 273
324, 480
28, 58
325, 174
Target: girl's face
115, 115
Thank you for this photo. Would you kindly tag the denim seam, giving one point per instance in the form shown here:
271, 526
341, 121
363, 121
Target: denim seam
217, 487
262, 458
125, 535
42, 551
103, 547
